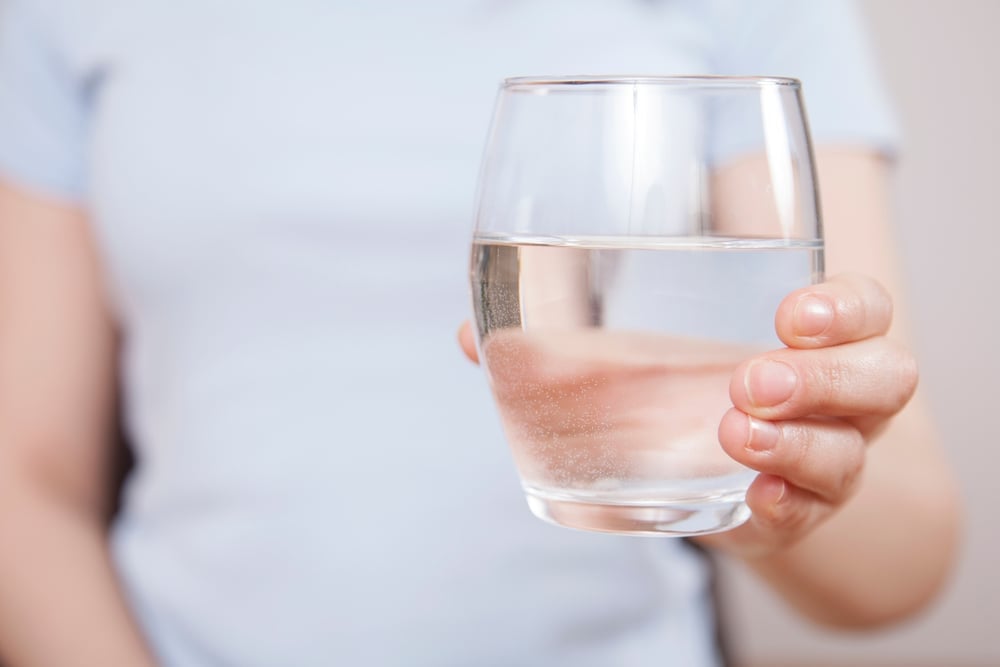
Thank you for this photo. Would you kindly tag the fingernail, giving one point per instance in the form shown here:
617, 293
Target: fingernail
782, 492
812, 316
769, 383
762, 435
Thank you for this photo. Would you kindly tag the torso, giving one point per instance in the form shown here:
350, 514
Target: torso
283, 199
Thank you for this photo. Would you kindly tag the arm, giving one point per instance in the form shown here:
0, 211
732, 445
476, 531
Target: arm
868, 526
59, 599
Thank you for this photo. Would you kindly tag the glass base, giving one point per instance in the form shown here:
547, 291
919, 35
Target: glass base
678, 518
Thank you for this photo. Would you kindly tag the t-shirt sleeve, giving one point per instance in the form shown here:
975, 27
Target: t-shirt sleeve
42, 110
824, 44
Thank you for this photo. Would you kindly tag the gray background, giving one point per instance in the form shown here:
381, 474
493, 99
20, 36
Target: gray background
941, 62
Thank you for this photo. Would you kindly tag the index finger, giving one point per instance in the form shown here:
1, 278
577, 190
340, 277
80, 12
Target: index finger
844, 309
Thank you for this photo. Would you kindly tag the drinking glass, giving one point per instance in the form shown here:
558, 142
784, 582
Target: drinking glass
633, 239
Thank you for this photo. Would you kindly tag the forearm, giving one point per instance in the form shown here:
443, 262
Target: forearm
889, 549
60, 603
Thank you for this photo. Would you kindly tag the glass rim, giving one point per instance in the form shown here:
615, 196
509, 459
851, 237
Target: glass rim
673, 81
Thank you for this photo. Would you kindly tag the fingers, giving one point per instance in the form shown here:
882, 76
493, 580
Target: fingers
467, 341
781, 513
823, 456
844, 309
871, 377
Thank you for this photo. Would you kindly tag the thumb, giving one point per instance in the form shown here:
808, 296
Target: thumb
467, 341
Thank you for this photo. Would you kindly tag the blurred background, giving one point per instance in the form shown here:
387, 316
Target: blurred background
941, 62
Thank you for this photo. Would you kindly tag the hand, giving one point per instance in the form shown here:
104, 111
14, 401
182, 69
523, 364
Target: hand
804, 415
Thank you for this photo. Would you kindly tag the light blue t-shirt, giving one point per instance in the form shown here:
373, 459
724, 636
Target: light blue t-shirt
282, 195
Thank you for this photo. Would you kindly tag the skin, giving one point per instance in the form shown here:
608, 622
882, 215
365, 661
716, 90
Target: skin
855, 511
60, 602
862, 476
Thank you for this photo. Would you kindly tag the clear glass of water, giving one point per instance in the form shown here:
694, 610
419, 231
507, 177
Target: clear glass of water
633, 238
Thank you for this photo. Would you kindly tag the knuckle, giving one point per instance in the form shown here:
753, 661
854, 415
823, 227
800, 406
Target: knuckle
832, 462
797, 442
910, 373
906, 374
882, 301
851, 467
829, 380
